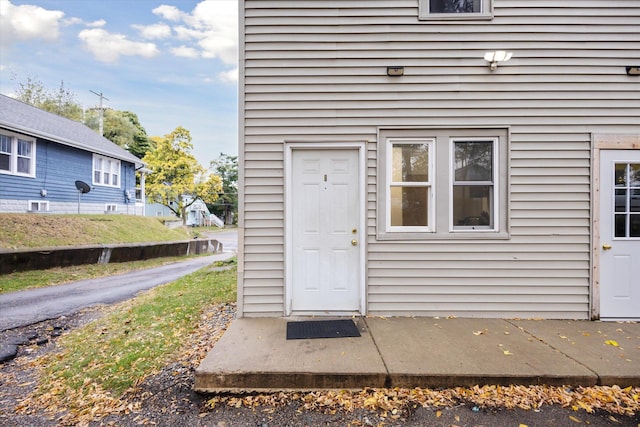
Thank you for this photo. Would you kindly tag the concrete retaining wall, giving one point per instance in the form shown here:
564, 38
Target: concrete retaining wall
44, 258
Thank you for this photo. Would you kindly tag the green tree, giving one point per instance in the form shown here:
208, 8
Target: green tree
177, 179
226, 167
122, 128
61, 101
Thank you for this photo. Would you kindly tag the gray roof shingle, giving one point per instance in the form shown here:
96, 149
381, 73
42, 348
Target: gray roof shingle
20, 117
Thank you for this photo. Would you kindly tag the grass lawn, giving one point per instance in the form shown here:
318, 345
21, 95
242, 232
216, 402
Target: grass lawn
104, 359
22, 231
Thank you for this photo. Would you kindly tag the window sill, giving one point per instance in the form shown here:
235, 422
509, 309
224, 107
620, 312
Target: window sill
456, 17
456, 235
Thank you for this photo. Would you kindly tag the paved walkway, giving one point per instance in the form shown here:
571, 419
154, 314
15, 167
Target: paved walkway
254, 355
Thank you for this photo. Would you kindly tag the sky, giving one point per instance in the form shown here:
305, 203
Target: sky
171, 62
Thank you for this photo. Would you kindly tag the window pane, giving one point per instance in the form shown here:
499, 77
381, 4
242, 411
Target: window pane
106, 178
410, 163
621, 200
96, 177
5, 144
634, 177
24, 148
621, 175
472, 205
454, 6
24, 165
409, 207
474, 161
621, 225
5, 162
114, 179
634, 226
634, 201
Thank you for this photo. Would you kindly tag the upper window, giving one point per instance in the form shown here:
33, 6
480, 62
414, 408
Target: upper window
106, 171
440, 183
17, 155
455, 9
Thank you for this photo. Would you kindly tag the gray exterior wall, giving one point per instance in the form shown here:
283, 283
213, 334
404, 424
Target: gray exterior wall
316, 71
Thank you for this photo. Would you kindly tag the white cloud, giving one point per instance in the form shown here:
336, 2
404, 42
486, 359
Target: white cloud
211, 28
154, 32
96, 24
229, 76
171, 13
28, 22
107, 47
77, 21
184, 52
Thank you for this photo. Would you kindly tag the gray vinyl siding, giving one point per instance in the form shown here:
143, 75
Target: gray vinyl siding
315, 71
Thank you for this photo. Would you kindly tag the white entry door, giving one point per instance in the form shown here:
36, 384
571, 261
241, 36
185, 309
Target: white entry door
619, 234
325, 240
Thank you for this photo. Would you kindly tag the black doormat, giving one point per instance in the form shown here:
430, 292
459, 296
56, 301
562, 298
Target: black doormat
322, 329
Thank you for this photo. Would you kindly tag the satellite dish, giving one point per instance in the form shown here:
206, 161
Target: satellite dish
83, 187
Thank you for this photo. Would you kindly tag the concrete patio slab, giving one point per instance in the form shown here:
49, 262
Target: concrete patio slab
254, 354
427, 352
611, 350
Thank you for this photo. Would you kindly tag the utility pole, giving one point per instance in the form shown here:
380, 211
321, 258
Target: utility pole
101, 122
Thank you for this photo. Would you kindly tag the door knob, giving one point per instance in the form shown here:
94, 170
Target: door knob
354, 242
606, 246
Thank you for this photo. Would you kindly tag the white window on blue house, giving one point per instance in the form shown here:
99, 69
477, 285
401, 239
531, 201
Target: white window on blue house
106, 171
455, 9
38, 206
17, 154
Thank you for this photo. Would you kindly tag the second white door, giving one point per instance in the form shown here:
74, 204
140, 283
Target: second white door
620, 234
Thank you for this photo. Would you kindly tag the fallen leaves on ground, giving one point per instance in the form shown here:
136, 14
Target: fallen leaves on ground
94, 403
397, 401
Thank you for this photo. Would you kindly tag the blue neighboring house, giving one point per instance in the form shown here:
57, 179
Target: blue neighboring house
43, 156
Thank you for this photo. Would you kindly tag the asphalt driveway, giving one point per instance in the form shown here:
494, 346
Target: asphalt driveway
36, 305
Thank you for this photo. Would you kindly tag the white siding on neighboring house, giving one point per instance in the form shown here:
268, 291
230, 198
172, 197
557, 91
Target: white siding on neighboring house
315, 71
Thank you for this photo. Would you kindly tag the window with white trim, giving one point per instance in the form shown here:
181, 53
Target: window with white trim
410, 188
106, 171
455, 9
110, 208
38, 205
17, 154
442, 183
473, 182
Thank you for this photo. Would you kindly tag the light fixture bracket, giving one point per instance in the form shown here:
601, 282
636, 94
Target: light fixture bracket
633, 71
395, 71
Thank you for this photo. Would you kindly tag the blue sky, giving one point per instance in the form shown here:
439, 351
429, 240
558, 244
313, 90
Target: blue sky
172, 62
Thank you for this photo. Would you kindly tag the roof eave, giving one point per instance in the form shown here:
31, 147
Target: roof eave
23, 129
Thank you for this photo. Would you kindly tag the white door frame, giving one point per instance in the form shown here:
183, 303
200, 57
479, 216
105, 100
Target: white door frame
602, 142
362, 173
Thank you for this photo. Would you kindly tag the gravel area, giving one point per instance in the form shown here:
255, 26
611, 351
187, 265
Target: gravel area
167, 399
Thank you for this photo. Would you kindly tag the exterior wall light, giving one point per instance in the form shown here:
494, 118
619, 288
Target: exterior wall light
497, 56
395, 71
633, 71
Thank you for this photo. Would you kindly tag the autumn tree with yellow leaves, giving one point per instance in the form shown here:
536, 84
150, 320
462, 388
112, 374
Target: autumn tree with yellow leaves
176, 179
